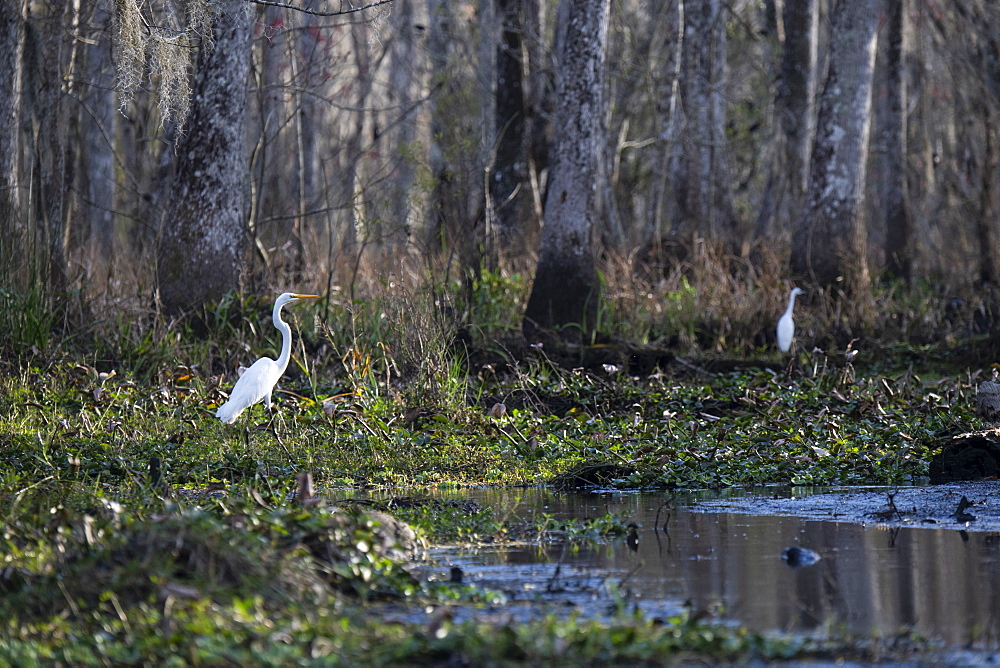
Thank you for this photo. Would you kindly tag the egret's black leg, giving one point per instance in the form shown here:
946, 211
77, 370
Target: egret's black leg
271, 427
156, 482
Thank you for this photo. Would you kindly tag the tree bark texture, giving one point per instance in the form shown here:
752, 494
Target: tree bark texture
405, 82
309, 121
894, 198
445, 208
274, 202
538, 107
203, 238
794, 104
662, 208
988, 224
565, 294
508, 175
96, 172
987, 213
797, 91
352, 147
830, 240
45, 50
12, 227
705, 195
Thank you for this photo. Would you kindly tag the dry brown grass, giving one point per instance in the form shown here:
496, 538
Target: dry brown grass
694, 297
701, 297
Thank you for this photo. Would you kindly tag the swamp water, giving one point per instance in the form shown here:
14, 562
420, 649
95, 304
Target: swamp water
870, 579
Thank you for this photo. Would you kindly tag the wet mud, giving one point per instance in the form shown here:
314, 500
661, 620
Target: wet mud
969, 506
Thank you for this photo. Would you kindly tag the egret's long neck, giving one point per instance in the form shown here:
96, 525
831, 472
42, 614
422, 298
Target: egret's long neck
791, 304
286, 338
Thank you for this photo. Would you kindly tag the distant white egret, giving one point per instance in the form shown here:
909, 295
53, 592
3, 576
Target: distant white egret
257, 382
786, 326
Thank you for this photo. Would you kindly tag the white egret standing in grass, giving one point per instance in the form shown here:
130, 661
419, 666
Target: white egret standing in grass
256, 383
786, 326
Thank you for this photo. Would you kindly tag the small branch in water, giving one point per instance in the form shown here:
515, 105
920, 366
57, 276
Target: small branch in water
892, 505
552, 587
669, 503
316, 12
633, 571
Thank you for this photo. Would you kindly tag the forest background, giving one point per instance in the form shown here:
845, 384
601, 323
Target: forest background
690, 160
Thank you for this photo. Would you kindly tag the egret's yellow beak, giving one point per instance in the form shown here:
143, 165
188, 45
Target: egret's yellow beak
298, 296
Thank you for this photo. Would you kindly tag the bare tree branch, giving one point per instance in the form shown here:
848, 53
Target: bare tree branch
315, 12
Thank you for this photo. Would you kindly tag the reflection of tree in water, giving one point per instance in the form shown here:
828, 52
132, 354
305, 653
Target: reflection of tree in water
870, 579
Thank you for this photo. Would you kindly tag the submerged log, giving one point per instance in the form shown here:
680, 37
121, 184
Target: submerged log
971, 456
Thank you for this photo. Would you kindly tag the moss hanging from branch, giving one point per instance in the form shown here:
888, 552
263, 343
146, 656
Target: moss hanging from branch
164, 46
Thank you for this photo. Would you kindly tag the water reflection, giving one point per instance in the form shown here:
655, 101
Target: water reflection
941, 583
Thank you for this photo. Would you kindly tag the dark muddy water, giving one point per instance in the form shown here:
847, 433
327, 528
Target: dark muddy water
942, 583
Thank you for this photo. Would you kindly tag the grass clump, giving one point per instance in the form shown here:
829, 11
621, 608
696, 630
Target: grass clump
83, 555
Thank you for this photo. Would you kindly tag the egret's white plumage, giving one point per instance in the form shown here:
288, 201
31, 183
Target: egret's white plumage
786, 326
256, 383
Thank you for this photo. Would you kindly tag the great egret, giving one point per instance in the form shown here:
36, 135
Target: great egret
256, 383
786, 327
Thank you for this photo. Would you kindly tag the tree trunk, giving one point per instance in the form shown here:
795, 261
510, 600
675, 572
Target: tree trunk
45, 50
309, 121
986, 68
988, 220
404, 83
97, 164
344, 252
12, 226
565, 294
830, 240
538, 102
275, 202
799, 65
446, 213
508, 175
661, 208
203, 231
789, 174
705, 195
352, 146
894, 196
